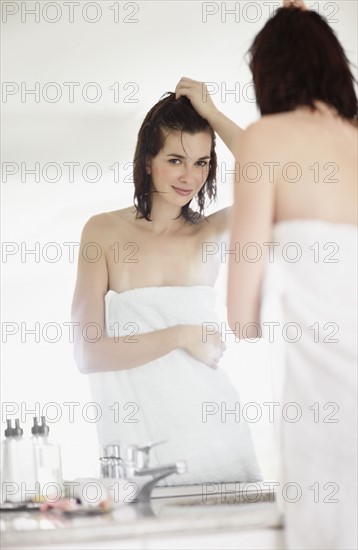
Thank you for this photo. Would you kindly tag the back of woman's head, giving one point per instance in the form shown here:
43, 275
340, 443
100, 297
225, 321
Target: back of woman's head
297, 59
166, 116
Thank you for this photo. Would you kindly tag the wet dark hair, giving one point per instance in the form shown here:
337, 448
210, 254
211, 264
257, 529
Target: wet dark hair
169, 114
297, 59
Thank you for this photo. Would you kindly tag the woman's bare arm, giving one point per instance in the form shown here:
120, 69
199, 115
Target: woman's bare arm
251, 228
94, 351
203, 104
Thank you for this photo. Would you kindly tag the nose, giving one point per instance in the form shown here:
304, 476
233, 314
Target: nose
187, 175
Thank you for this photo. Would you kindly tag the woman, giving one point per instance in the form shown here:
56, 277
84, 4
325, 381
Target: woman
143, 298
296, 190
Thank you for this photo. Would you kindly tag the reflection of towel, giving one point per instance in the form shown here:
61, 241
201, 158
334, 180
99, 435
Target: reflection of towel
313, 282
168, 395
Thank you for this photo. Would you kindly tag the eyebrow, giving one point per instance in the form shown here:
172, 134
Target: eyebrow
182, 157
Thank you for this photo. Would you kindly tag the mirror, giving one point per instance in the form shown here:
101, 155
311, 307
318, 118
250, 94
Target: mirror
78, 81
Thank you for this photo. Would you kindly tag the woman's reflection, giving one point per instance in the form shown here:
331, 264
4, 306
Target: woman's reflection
143, 297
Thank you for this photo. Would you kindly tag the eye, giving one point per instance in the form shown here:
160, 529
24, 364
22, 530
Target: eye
203, 163
174, 161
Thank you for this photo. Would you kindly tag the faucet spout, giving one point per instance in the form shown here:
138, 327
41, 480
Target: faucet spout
123, 461
166, 469
158, 473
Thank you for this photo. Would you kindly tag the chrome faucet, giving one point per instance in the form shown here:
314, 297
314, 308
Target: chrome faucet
158, 473
121, 461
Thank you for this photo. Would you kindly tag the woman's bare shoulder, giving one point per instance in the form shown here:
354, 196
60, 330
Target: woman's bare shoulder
108, 220
279, 125
285, 131
270, 125
262, 136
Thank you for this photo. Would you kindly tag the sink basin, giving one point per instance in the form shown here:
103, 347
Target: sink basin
235, 506
216, 493
231, 493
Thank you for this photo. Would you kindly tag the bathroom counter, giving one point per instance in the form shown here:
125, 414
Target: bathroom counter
174, 520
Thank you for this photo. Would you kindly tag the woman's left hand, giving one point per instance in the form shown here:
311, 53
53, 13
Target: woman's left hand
295, 4
199, 96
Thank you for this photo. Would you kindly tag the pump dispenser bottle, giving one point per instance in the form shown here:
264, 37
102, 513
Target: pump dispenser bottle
18, 465
47, 461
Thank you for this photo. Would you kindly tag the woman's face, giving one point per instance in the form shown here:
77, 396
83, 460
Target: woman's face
181, 167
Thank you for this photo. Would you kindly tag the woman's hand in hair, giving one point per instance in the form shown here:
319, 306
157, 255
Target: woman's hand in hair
199, 96
295, 3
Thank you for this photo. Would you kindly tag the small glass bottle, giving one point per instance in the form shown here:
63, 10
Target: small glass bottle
48, 462
18, 465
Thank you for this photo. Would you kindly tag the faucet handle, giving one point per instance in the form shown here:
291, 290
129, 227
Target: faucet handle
147, 446
143, 453
122, 460
181, 466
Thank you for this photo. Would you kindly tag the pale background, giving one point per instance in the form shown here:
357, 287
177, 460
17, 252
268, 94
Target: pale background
145, 55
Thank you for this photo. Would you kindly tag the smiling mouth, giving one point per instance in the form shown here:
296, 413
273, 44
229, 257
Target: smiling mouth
184, 192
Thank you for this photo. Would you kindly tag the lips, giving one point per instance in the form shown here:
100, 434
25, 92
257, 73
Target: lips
182, 192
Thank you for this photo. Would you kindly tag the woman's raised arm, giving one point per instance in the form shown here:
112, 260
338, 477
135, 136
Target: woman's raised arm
200, 99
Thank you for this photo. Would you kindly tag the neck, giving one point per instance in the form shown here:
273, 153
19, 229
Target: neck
321, 108
164, 217
325, 109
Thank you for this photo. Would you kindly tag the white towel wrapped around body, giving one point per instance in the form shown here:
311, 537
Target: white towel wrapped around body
312, 284
167, 399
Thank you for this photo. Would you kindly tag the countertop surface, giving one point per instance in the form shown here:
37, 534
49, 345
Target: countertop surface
188, 514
